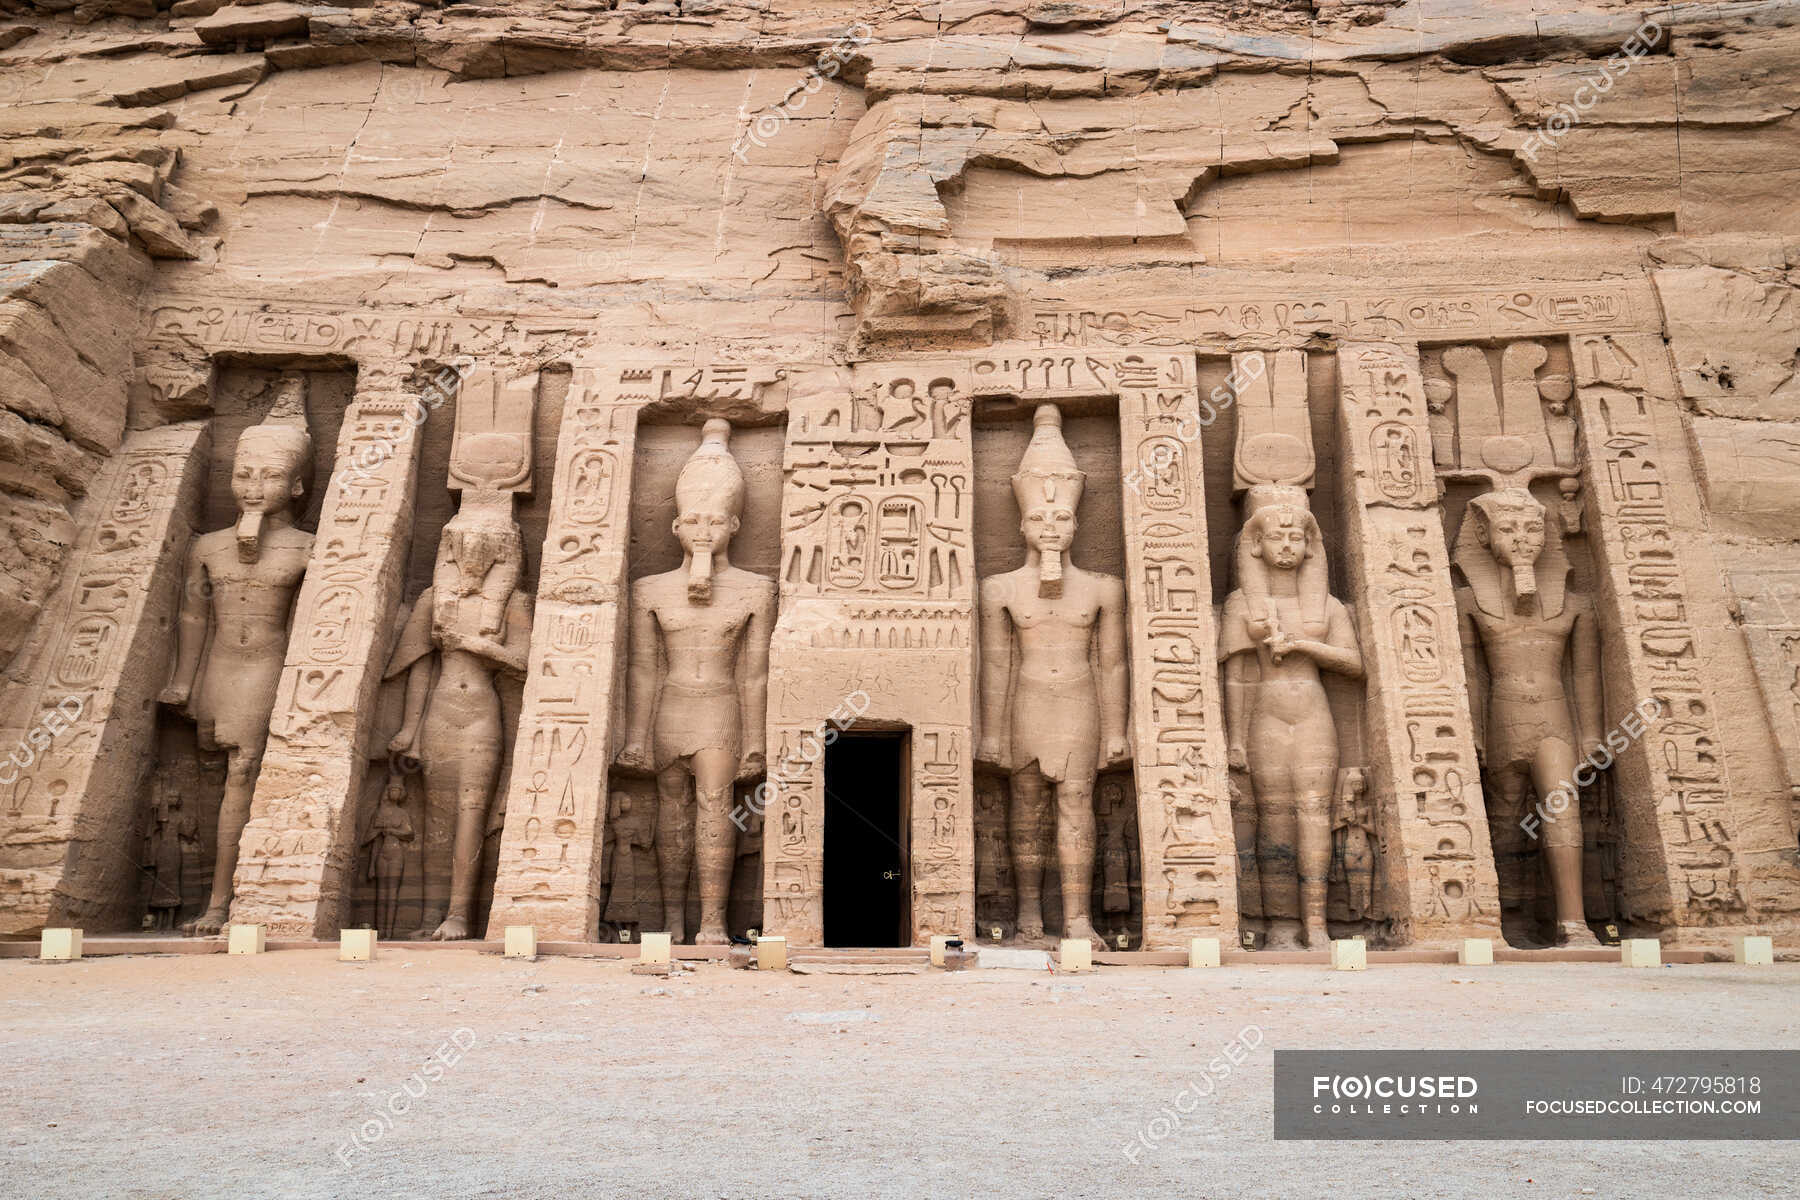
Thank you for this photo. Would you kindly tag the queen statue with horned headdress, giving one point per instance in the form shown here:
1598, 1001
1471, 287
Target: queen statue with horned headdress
697, 686
1279, 629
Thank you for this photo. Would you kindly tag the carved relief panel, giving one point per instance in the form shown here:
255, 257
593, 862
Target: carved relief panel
1689, 784
876, 628
1425, 784
549, 871
78, 705
1504, 440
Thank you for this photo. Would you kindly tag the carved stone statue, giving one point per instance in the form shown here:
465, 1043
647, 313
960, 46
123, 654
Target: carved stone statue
389, 833
1278, 630
1520, 624
170, 839
1115, 855
237, 606
1353, 844
472, 623
697, 686
1053, 685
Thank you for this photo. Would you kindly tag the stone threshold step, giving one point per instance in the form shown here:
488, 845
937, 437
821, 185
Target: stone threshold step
97, 947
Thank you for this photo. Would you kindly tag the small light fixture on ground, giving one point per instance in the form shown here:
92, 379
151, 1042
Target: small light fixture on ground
1349, 954
1075, 954
356, 945
654, 948
60, 945
521, 941
1203, 952
1475, 952
771, 954
1753, 951
1640, 952
246, 939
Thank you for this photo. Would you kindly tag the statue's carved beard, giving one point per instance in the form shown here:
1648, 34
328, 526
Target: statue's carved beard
1050, 574
1525, 586
249, 535
700, 577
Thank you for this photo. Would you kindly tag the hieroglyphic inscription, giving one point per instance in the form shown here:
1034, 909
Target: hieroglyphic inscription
79, 707
1184, 817
299, 846
250, 326
877, 587
1681, 760
1374, 316
1426, 785
549, 873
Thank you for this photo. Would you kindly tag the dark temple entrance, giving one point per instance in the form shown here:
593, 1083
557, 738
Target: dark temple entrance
866, 875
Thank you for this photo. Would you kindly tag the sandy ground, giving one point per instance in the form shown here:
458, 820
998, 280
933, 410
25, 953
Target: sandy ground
214, 1076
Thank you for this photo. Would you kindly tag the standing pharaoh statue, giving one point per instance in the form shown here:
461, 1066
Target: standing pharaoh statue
1053, 685
469, 626
697, 686
236, 609
1524, 633
1278, 630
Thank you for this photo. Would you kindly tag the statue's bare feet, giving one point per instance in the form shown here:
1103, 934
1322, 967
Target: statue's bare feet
1029, 933
1283, 935
712, 935
1317, 938
1082, 927
1575, 934
453, 929
207, 924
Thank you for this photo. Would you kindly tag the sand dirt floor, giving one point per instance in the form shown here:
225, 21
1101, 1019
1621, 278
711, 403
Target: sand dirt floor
203, 1076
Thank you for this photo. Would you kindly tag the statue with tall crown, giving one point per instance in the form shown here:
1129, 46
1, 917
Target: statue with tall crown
1053, 685
1278, 630
697, 686
237, 607
1525, 632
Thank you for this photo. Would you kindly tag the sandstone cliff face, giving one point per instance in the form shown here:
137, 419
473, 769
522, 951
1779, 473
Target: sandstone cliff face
786, 182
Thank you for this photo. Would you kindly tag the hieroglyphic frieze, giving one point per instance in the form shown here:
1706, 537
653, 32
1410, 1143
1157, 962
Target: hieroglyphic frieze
1399, 315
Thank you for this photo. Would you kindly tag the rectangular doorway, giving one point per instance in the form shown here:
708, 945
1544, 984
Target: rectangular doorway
867, 881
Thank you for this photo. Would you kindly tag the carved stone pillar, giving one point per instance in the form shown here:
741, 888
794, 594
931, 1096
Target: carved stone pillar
1178, 743
79, 714
1707, 837
298, 849
877, 628
550, 847
1436, 855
